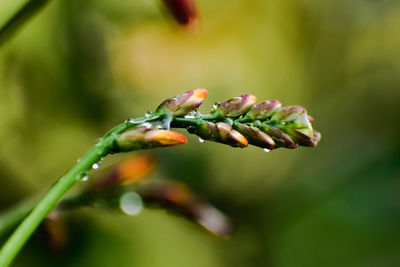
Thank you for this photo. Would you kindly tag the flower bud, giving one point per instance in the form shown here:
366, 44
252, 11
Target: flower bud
129, 171
288, 114
255, 136
297, 124
184, 11
281, 139
236, 106
221, 132
305, 137
263, 110
182, 104
135, 169
142, 138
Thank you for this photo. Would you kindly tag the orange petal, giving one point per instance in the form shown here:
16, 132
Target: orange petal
200, 93
168, 138
135, 169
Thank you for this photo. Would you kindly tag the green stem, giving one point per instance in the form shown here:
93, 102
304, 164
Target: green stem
18, 19
13, 215
101, 149
50, 199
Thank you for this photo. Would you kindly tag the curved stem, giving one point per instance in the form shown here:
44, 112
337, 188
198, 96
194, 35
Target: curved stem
50, 199
13, 215
21, 16
101, 149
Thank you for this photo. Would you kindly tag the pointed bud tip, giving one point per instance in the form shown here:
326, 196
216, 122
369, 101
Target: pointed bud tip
169, 138
241, 140
200, 93
252, 98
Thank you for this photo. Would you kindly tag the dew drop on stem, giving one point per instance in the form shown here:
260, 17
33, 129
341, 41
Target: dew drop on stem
95, 166
148, 113
201, 140
267, 150
85, 178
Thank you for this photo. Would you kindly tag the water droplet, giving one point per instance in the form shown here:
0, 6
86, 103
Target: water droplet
216, 104
213, 220
267, 150
78, 160
96, 166
148, 113
85, 178
191, 115
146, 125
201, 140
132, 121
131, 203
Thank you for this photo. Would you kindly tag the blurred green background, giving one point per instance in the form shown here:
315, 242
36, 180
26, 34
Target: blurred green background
80, 67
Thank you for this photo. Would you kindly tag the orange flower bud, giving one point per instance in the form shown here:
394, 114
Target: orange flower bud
142, 138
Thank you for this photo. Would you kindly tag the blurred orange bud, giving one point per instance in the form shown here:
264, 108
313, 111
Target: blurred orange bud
184, 11
135, 169
54, 233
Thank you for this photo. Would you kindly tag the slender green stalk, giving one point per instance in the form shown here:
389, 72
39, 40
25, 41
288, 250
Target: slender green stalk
101, 149
32, 221
19, 18
14, 215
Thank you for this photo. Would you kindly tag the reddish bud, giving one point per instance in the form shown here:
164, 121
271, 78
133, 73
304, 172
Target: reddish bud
221, 132
183, 104
236, 106
263, 110
255, 136
184, 11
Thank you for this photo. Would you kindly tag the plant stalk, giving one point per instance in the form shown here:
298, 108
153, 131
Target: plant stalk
101, 149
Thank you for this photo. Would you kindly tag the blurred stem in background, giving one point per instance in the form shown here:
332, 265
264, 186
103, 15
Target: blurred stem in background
24, 12
16, 213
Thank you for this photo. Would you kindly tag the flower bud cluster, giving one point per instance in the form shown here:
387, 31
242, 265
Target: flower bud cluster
237, 122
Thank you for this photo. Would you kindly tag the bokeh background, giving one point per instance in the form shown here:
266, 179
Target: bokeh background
80, 67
